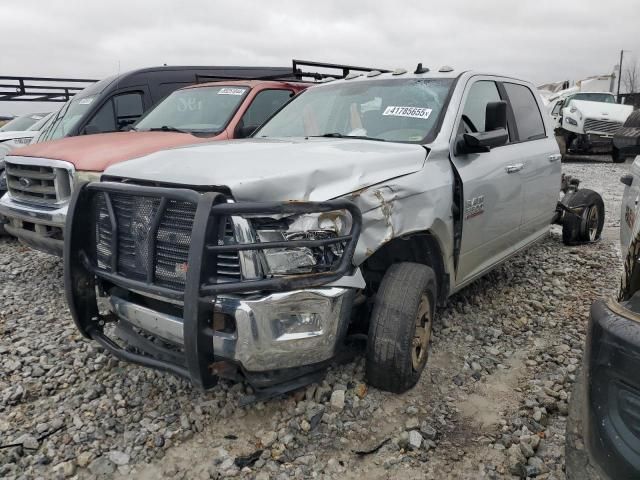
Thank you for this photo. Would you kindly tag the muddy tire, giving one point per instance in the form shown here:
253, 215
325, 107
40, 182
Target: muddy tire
631, 272
587, 227
400, 327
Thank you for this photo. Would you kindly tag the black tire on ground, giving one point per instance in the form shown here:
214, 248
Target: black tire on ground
587, 227
400, 327
617, 156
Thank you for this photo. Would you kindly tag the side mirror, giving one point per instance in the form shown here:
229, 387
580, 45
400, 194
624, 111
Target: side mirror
124, 124
90, 130
244, 131
495, 133
479, 142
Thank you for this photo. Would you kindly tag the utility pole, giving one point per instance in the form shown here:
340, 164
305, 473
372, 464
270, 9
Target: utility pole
619, 75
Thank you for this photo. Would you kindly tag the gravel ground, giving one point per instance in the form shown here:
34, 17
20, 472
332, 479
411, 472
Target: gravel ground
492, 402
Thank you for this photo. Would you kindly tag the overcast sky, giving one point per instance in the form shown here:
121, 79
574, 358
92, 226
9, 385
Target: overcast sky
538, 40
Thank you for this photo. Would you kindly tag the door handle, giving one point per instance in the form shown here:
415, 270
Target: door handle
555, 157
516, 167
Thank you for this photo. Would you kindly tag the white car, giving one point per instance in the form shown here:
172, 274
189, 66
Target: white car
587, 121
13, 137
17, 133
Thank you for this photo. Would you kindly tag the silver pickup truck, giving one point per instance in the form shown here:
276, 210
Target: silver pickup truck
359, 207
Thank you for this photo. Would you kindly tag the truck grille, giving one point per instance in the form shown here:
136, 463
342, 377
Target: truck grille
38, 183
592, 125
134, 216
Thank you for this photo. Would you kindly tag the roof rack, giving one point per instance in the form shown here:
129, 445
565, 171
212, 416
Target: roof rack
47, 89
346, 69
297, 73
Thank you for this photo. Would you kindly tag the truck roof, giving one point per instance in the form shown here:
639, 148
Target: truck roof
135, 76
442, 73
251, 83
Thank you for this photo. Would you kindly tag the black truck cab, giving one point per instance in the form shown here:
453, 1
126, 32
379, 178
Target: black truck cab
118, 101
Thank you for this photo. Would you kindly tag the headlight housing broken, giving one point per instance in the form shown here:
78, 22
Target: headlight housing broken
301, 260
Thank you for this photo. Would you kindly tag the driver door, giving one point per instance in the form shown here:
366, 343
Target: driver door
492, 189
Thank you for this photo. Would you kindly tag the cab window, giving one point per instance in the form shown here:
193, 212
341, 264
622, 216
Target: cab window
529, 123
128, 108
265, 104
117, 113
475, 108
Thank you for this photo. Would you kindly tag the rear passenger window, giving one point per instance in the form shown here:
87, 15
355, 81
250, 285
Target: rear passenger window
475, 107
529, 121
264, 105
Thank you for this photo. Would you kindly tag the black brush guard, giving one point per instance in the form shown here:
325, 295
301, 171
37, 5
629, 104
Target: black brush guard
81, 272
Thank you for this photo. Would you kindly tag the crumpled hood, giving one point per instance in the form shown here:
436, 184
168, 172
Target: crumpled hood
313, 169
602, 111
96, 152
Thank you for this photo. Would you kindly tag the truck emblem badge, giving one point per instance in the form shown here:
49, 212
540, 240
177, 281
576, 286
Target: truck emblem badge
474, 207
25, 182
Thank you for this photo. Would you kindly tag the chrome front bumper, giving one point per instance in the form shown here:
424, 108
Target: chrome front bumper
39, 227
275, 331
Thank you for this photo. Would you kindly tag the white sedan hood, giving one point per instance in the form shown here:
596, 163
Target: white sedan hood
602, 111
313, 169
10, 135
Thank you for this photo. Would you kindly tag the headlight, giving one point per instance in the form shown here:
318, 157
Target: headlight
81, 176
571, 121
284, 261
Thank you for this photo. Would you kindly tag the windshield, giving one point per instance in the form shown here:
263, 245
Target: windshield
202, 109
67, 118
594, 97
20, 124
398, 110
40, 123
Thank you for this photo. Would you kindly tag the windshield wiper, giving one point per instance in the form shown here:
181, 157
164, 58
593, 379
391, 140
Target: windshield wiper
166, 128
340, 135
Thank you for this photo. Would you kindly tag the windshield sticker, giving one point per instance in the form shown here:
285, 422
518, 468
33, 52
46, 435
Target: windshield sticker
192, 104
411, 112
85, 101
231, 91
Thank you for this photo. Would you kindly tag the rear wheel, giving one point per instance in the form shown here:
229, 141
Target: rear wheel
400, 327
587, 226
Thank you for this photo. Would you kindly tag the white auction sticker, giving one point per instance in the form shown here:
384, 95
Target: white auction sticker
231, 91
85, 101
412, 112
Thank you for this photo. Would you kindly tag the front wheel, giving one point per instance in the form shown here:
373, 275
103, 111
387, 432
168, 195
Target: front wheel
587, 226
400, 327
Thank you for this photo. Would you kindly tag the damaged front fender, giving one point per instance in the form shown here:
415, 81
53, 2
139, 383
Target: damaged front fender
410, 204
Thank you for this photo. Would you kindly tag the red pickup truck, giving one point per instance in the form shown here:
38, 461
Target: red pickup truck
40, 177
